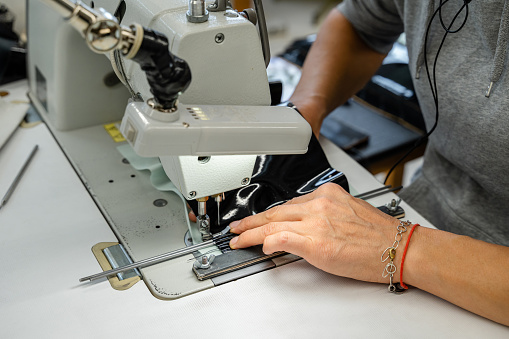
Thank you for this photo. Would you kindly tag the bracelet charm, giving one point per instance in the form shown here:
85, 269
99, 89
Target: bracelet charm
390, 253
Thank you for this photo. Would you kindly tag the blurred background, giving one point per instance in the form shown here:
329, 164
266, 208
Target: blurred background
375, 127
286, 19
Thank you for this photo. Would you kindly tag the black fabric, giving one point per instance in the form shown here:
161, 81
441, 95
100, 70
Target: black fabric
276, 179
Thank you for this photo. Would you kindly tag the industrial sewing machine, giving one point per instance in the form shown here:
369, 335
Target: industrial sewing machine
191, 89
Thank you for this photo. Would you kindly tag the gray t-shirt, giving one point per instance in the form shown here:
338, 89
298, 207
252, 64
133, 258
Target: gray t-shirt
464, 186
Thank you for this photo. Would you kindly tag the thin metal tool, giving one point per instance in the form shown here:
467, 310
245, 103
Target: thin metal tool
158, 258
372, 191
218, 198
382, 192
18, 177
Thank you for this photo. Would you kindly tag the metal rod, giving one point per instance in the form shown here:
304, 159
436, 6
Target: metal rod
381, 193
18, 177
372, 191
155, 260
262, 28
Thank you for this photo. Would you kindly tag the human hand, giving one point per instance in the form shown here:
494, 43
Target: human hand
329, 228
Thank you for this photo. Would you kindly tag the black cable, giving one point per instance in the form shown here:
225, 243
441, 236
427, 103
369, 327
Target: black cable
433, 84
448, 30
167, 74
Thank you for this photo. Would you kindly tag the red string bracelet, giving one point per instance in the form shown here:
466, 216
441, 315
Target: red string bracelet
402, 284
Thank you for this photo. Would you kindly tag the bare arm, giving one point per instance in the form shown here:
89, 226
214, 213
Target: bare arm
467, 272
346, 236
338, 65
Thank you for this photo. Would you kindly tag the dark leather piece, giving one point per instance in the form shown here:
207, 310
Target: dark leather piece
276, 179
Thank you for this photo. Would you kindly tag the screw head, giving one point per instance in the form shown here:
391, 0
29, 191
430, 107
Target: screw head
192, 194
219, 38
204, 262
245, 181
203, 160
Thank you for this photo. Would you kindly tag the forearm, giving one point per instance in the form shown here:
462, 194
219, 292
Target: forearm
467, 272
337, 66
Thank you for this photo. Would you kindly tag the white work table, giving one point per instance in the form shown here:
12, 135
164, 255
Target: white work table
50, 223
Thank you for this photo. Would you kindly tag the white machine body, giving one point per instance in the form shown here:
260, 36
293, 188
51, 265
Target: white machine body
212, 132
72, 88
197, 177
205, 130
230, 72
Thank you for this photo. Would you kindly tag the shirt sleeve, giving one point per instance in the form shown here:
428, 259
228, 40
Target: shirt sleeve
378, 22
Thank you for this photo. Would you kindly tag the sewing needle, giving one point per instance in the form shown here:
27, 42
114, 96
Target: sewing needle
18, 177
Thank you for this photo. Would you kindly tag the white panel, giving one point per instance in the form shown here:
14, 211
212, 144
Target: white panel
219, 174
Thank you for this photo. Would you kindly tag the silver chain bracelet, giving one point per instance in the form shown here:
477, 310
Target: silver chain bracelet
390, 254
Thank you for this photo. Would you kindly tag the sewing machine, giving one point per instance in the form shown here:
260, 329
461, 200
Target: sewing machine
46, 253
207, 133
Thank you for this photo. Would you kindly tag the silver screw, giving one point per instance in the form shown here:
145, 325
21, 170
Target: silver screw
192, 194
205, 262
245, 181
393, 205
219, 38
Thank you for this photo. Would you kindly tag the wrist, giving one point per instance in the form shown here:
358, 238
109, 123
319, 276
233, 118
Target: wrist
394, 257
421, 258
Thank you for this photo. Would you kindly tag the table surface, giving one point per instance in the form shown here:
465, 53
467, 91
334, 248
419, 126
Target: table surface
50, 223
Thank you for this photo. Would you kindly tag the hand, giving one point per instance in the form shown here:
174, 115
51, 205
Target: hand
190, 214
329, 228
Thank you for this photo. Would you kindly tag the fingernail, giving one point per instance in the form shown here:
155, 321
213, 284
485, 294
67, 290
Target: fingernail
233, 242
234, 224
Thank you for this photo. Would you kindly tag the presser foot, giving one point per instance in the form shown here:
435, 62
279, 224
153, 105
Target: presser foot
204, 227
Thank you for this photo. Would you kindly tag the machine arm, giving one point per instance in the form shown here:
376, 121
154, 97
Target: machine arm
167, 74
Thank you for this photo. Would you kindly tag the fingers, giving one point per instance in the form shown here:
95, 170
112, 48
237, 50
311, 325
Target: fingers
293, 210
286, 213
258, 235
192, 216
283, 240
288, 242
